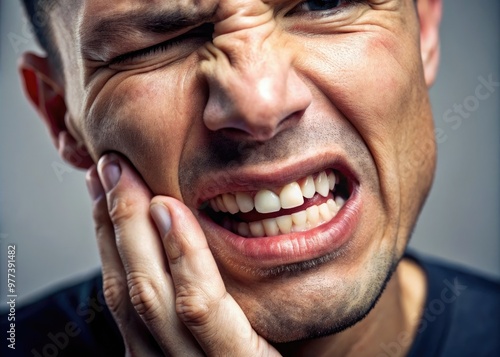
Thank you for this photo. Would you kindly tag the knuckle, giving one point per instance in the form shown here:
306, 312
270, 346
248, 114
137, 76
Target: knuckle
122, 209
194, 307
144, 296
114, 293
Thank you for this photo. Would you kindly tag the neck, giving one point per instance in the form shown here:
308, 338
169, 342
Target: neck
389, 329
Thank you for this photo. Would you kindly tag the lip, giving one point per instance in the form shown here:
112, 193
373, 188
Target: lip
268, 252
264, 176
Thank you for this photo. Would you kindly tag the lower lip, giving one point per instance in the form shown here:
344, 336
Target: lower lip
295, 247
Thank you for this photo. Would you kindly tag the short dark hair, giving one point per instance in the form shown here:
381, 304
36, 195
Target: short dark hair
38, 13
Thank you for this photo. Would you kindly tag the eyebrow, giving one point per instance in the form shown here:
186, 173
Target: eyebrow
120, 27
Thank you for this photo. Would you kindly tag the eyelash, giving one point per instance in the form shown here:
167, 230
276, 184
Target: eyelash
145, 52
204, 30
320, 13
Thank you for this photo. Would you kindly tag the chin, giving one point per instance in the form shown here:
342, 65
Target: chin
314, 302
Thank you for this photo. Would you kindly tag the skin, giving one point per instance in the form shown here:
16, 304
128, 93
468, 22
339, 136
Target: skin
267, 92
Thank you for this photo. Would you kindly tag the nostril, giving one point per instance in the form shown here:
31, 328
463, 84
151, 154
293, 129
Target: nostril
255, 135
242, 113
291, 120
260, 128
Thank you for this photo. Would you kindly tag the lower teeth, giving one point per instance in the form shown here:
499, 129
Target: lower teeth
312, 217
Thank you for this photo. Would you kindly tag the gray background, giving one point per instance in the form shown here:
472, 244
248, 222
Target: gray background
45, 210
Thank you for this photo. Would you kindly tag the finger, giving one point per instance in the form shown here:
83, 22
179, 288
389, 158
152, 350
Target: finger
202, 302
150, 287
137, 340
113, 273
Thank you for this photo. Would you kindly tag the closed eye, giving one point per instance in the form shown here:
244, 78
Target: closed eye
204, 31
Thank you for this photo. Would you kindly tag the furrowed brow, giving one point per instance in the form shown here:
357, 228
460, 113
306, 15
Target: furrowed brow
121, 27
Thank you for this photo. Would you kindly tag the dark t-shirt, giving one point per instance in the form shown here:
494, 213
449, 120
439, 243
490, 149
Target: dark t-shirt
461, 315
461, 318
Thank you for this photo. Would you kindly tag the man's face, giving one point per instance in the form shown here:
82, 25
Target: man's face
246, 111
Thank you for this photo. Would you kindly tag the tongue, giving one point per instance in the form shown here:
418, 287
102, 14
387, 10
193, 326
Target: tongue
253, 215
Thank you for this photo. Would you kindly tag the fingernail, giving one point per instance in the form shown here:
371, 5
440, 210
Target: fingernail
94, 184
161, 216
110, 172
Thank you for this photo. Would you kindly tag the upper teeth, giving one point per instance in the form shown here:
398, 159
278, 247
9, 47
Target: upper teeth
301, 221
267, 201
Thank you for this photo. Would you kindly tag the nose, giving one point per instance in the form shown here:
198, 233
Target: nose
253, 88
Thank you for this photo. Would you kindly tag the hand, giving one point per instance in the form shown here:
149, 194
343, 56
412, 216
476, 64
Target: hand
168, 288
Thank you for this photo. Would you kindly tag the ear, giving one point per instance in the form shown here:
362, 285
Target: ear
44, 90
429, 12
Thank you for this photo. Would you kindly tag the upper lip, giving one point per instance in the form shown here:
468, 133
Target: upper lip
268, 175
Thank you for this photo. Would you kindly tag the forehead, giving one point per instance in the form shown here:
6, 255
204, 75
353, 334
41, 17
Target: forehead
92, 8
94, 11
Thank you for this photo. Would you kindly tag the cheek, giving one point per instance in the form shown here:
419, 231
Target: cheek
375, 82
146, 117
370, 82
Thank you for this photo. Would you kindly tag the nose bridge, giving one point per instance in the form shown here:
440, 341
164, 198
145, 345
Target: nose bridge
242, 34
252, 85
255, 71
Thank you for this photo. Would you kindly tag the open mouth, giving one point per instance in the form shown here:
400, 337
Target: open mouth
298, 206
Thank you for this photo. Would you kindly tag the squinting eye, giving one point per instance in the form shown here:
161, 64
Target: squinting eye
326, 7
201, 34
319, 5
